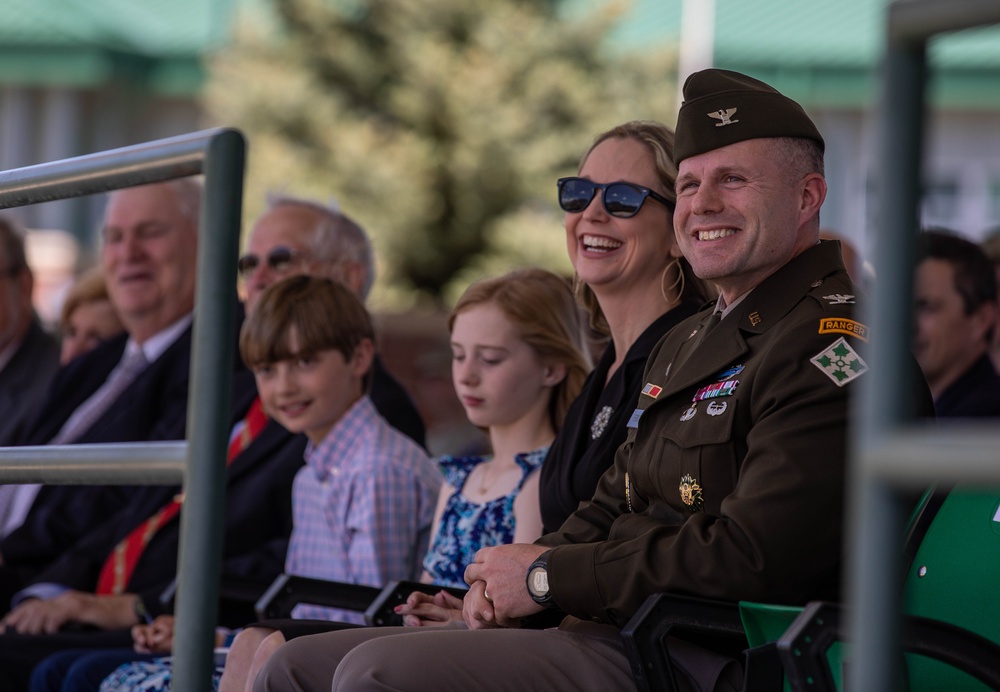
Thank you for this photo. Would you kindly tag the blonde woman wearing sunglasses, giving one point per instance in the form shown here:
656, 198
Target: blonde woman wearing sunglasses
634, 283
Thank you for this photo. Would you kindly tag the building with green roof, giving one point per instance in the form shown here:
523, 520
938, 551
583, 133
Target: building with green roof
826, 55
78, 76
82, 75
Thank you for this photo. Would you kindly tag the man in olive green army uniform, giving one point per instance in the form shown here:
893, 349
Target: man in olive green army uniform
731, 482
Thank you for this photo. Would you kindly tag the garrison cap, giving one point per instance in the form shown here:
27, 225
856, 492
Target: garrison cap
721, 107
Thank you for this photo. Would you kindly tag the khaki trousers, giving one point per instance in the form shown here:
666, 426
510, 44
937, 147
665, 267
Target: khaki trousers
576, 656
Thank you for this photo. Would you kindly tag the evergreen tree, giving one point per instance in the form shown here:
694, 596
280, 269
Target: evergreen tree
440, 125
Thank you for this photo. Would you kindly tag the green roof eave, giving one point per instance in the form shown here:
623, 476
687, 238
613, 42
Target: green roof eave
177, 77
835, 88
54, 67
92, 67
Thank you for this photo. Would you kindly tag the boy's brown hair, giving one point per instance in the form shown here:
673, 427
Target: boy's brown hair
322, 313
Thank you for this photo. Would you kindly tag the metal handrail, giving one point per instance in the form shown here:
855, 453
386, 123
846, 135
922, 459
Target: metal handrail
219, 155
890, 453
134, 463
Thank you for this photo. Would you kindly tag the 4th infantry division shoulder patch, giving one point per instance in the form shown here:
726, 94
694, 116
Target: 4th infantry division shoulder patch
840, 362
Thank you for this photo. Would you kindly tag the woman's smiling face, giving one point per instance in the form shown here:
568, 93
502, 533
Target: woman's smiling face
610, 253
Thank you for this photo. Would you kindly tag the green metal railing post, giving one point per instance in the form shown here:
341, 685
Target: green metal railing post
219, 154
880, 513
886, 457
208, 415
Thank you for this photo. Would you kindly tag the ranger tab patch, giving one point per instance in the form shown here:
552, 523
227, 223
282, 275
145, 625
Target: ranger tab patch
840, 325
840, 362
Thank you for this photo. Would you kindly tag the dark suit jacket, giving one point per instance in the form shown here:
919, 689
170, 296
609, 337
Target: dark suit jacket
257, 524
395, 404
975, 394
153, 408
25, 380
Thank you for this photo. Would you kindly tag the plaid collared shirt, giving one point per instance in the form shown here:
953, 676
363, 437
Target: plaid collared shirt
362, 506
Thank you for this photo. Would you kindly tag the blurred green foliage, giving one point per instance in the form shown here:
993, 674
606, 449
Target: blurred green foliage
440, 125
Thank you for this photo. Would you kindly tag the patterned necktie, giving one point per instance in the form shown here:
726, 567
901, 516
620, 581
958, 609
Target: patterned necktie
121, 563
88, 413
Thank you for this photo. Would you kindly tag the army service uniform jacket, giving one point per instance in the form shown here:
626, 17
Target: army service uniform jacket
730, 484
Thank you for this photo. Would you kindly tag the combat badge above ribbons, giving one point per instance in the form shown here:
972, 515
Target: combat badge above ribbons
840, 362
730, 373
691, 492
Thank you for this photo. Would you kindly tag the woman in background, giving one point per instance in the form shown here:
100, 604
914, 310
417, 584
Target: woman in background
88, 318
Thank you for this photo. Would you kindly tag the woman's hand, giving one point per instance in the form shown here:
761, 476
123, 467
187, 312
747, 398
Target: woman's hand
426, 610
155, 638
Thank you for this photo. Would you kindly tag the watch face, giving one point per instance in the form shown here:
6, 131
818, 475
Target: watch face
539, 582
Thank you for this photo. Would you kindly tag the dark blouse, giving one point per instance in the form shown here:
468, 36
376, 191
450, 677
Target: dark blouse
595, 424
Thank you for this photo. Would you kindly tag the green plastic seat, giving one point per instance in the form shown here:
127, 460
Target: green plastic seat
955, 578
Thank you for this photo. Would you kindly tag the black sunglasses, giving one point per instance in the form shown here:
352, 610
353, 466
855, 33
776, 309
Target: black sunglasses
620, 199
279, 260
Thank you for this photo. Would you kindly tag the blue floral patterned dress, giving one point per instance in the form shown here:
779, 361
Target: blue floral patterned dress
467, 526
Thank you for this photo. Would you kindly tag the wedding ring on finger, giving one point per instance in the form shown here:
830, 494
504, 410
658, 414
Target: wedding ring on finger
486, 595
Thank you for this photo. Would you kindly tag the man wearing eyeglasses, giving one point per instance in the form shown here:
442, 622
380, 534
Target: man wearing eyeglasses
730, 484
297, 236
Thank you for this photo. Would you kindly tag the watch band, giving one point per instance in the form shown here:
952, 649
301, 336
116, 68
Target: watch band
538, 575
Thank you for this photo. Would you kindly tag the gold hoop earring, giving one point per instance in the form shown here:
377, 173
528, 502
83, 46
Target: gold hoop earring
676, 286
577, 286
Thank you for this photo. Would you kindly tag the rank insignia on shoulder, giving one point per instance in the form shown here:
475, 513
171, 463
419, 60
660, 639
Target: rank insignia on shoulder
839, 325
711, 391
840, 362
840, 299
652, 390
691, 493
729, 372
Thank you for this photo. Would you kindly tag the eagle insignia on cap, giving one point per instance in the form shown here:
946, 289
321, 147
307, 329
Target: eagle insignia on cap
724, 115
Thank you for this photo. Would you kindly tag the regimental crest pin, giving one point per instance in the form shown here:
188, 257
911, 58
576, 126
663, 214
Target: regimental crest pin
725, 115
600, 422
840, 362
691, 493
